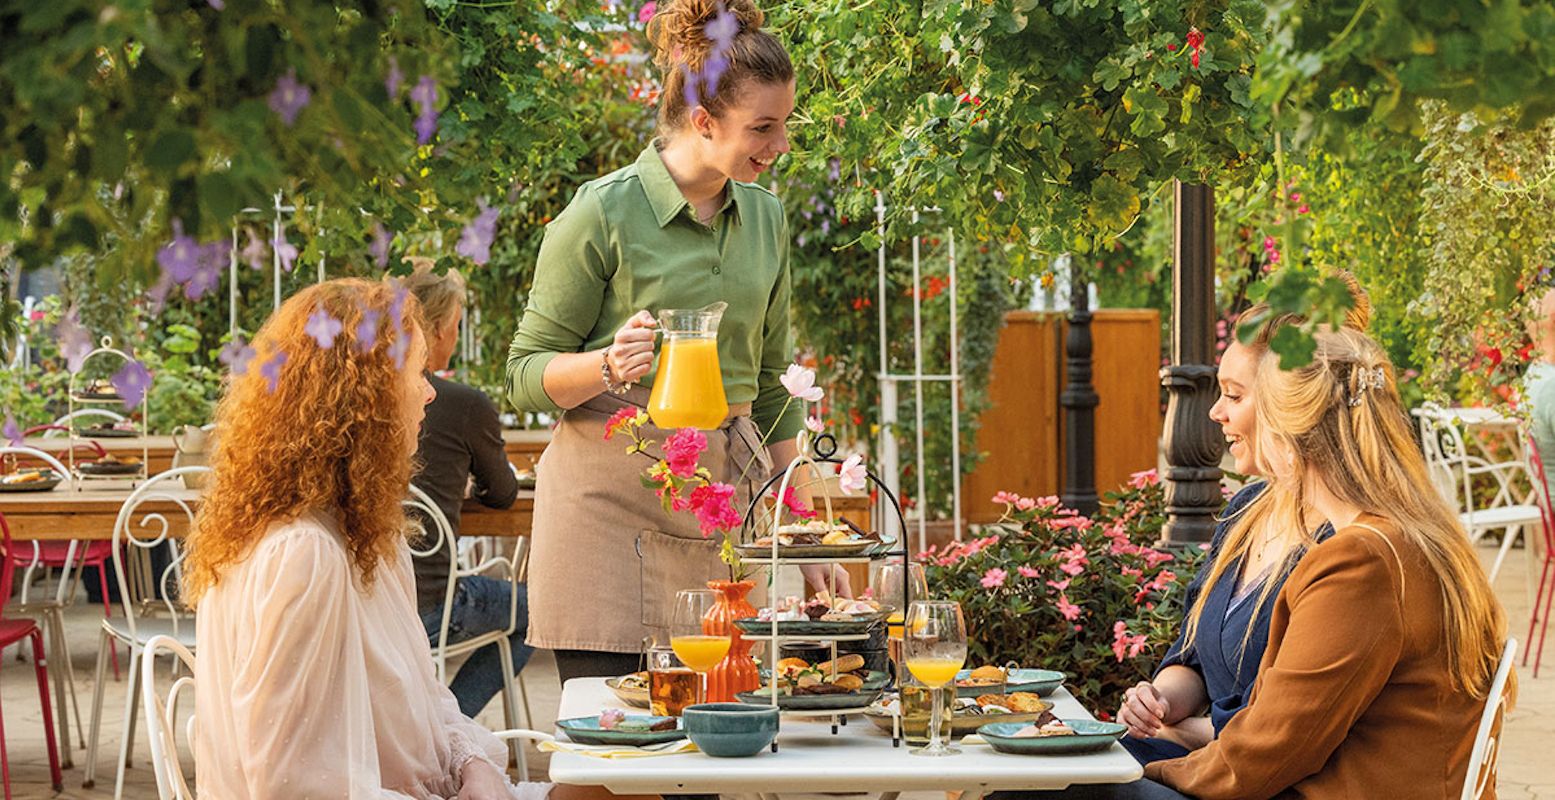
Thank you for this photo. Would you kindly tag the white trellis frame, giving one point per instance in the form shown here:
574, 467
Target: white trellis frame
889, 453
277, 209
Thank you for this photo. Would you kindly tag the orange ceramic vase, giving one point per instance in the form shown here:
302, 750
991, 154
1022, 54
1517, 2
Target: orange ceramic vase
737, 672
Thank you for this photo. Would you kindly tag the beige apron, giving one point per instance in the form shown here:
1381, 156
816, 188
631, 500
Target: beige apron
606, 560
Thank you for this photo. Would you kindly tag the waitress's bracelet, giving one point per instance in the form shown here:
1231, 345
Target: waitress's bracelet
604, 375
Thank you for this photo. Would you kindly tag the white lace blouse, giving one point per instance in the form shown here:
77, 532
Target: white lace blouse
308, 685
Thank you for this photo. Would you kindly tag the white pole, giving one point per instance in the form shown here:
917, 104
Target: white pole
890, 470
955, 392
275, 254
917, 385
232, 286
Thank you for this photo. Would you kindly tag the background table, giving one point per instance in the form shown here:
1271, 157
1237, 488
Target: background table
859, 758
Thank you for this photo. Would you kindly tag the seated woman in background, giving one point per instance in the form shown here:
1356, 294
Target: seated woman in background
299, 564
1208, 673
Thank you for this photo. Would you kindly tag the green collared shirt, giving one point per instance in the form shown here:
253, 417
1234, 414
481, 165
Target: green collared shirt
631, 241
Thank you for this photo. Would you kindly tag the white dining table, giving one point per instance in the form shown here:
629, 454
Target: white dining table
810, 758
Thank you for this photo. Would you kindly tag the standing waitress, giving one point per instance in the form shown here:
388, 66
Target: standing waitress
682, 227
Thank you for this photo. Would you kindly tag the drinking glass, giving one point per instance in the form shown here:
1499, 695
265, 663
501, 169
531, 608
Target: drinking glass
671, 684
697, 649
888, 590
935, 650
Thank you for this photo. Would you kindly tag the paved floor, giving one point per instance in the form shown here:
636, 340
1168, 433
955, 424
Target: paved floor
1525, 771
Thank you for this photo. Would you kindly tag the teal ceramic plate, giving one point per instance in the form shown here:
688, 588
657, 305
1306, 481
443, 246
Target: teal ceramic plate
1040, 682
1090, 736
811, 702
586, 730
860, 623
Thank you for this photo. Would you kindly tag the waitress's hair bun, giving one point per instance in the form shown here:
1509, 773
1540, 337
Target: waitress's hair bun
1357, 318
682, 51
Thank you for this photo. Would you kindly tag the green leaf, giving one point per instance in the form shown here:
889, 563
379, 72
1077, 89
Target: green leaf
219, 195
170, 151
1294, 346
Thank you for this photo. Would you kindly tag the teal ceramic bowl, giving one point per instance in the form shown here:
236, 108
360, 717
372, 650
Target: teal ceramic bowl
730, 730
1090, 736
586, 730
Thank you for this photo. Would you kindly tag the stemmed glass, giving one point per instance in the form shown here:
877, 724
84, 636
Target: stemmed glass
697, 649
888, 590
935, 645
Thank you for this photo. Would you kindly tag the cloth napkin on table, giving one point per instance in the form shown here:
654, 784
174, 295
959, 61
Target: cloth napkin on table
619, 751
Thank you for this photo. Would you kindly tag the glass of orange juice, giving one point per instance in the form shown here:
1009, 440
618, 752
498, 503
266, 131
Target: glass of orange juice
688, 388
890, 582
934, 648
696, 649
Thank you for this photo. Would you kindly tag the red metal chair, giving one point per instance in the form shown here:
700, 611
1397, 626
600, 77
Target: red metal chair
1545, 596
13, 631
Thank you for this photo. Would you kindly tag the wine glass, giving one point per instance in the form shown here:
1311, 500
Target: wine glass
935, 645
697, 649
888, 590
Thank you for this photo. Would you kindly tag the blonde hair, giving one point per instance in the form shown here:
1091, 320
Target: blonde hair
1341, 421
682, 51
441, 296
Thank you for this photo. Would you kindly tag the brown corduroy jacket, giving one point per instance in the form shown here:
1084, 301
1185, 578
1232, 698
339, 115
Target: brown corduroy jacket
1353, 698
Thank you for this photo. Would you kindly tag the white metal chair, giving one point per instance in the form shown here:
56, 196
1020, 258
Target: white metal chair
61, 426
162, 717
1456, 473
425, 543
1482, 759
135, 630
31, 557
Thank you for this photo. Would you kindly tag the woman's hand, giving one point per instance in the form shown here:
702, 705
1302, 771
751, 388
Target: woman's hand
1144, 710
817, 576
481, 780
631, 353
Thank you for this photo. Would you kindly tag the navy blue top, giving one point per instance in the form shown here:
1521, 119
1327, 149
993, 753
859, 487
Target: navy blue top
1217, 653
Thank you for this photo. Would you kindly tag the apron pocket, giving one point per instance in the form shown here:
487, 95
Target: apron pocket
669, 563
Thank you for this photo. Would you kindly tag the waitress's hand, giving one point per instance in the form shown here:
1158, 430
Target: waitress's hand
821, 578
631, 353
1144, 710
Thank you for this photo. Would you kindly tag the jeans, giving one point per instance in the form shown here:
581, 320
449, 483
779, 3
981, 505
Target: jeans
1142, 789
480, 606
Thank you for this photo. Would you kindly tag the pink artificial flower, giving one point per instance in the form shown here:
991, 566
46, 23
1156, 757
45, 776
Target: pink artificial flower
1070, 611
1027, 572
714, 507
851, 476
682, 449
800, 382
994, 578
619, 420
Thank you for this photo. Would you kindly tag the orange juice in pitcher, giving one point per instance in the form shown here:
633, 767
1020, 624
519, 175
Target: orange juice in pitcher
688, 389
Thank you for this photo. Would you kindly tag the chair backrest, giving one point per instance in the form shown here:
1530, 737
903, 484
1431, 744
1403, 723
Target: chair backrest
425, 543
130, 529
62, 425
1446, 457
17, 451
162, 717
1482, 759
18, 560
1541, 489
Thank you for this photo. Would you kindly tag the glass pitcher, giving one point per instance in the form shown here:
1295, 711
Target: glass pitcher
688, 389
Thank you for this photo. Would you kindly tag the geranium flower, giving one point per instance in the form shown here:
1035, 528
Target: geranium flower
322, 327
289, 97
1060, 585
1155, 558
475, 239
994, 578
794, 505
1025, 503
1005, 498
132, 380
236, 355
1140, 480
1123, 644
682, 449
12, 432
1028, 572
800, 382
646, 13
1070, 611
713, 505
271, 369
851, 476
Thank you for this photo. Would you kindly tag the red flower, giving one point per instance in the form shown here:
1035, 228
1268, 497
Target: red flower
714, 507
682, 449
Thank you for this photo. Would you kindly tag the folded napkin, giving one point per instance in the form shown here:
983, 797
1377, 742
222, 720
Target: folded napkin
619, 751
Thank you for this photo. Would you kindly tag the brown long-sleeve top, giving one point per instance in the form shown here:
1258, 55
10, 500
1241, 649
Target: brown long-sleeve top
1353, 698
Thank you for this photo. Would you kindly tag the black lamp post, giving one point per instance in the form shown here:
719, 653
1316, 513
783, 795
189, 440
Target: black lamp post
1079, 402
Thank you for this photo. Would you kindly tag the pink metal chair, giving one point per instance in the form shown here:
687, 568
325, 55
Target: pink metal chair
13, 631
1545, 596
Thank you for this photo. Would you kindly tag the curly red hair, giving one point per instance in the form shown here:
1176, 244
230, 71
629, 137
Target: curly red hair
330, 436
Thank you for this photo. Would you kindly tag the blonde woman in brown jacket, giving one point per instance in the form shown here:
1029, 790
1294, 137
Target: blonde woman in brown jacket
1384, 639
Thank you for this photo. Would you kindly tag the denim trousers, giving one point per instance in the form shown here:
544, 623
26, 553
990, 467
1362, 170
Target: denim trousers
480, 606
1142, 789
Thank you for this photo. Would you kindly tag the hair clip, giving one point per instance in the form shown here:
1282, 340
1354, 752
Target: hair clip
1366, 379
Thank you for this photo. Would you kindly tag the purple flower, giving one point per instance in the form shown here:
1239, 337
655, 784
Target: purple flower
367, 330
425, 96
255, 251
219, 5
322, 327
998, 196
380, 246
180, 257
159, 291
713, 71
236, 355
132, 380
289, 97
271, 369
12, 431
475, 240
395, 78
834, 170
723, 28
399, 348
207, 271
75, 341
287, 250
647, 11
425, 127
693, 97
